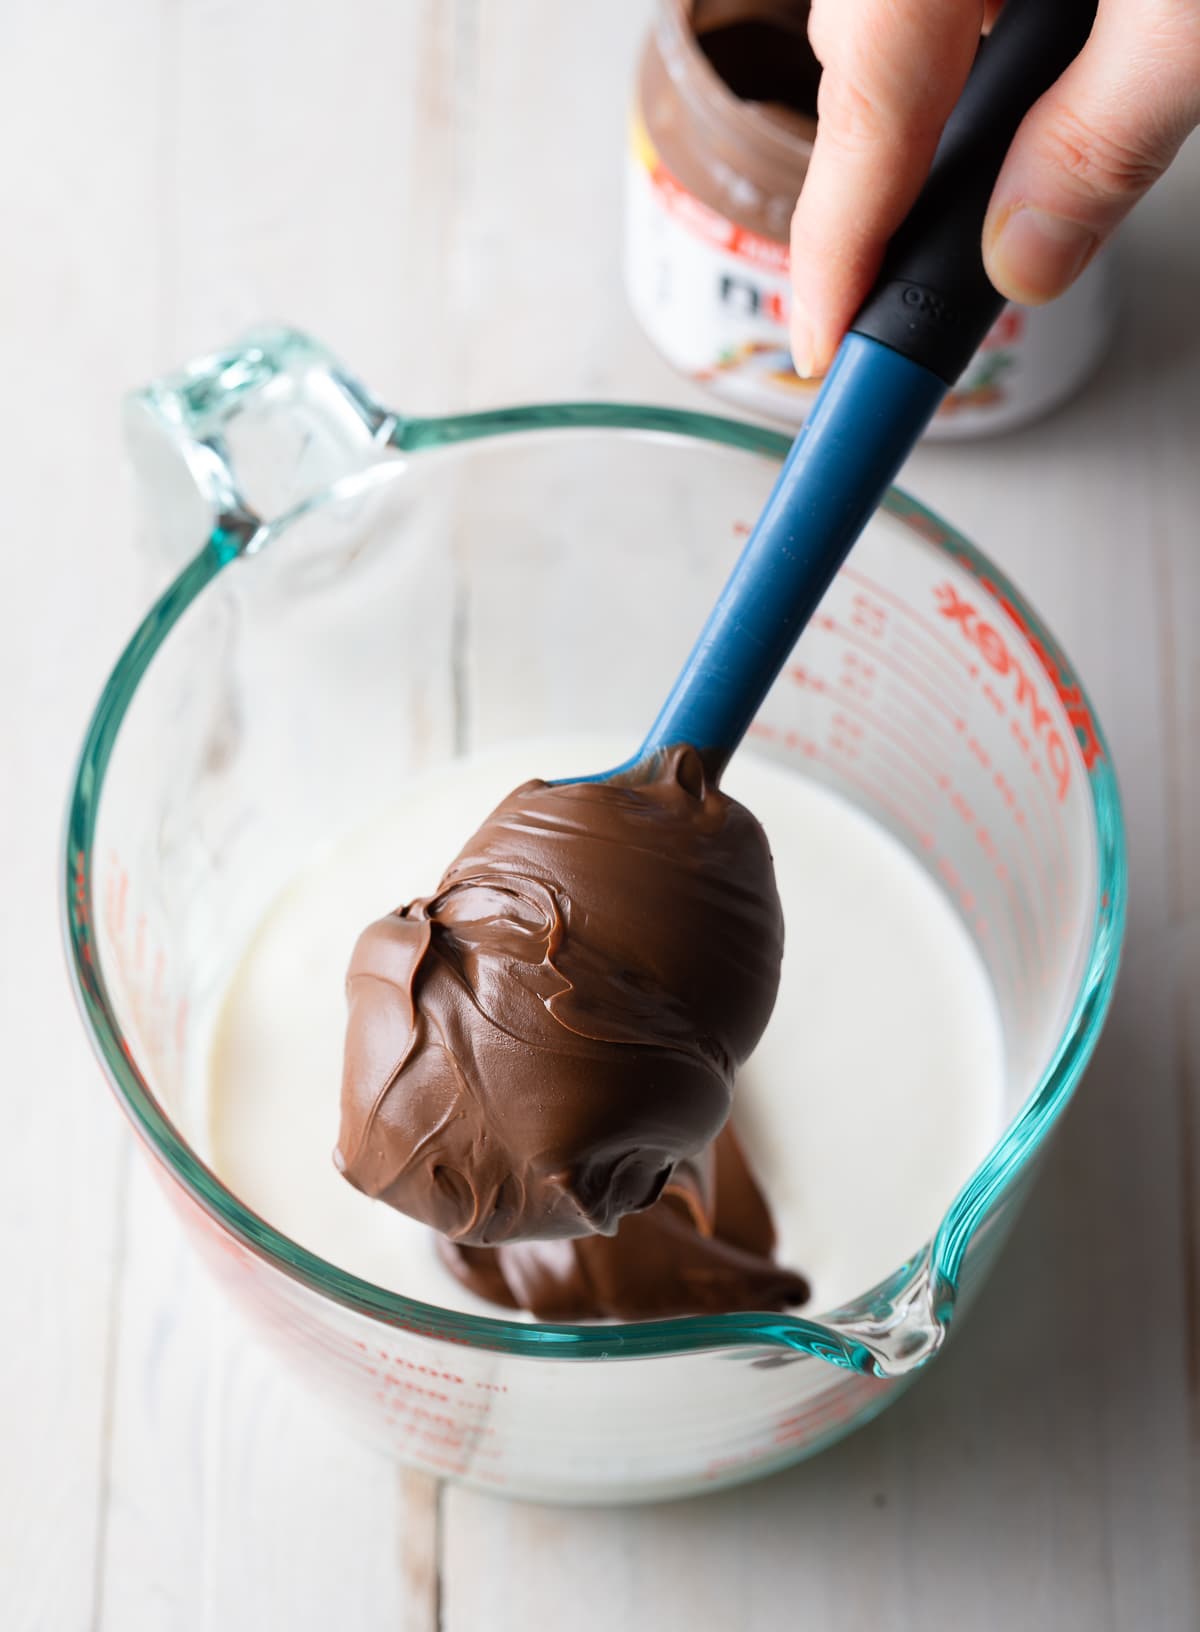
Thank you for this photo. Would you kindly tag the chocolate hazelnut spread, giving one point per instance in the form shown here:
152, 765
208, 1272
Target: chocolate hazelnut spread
532, 1051
675, 1258
727, 95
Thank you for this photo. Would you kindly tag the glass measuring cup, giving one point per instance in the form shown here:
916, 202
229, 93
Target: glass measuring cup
334, 625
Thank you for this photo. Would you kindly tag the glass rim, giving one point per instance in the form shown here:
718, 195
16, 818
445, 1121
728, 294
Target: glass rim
941, 1258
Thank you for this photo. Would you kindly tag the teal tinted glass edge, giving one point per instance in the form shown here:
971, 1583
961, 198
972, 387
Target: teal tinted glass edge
1008, 1158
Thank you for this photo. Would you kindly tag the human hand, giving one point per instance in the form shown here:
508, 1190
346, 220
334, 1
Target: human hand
1083, 156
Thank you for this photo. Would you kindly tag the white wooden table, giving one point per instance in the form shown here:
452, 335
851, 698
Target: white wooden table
433, 187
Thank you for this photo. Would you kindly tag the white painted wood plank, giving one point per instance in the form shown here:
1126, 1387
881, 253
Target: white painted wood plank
317, 156
1169, 395
539, 242
77, 198
234, 1501
1185, 961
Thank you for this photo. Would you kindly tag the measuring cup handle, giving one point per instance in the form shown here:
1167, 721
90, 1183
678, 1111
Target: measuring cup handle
239, 439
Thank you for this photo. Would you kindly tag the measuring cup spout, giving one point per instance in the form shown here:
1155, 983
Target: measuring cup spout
905, 1322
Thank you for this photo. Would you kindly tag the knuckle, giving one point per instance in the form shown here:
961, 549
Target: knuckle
848, 116
857, 121
1112, 163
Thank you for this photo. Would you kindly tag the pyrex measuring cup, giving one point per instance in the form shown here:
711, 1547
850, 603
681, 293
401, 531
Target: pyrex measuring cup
360, 595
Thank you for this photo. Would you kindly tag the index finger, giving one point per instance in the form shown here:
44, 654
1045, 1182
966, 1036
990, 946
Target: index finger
893, 70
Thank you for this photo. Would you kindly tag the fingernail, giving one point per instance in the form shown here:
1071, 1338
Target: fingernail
802, 345
1033, 256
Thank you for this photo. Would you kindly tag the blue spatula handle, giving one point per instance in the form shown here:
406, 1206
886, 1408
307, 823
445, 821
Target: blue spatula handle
872, 407
929, 310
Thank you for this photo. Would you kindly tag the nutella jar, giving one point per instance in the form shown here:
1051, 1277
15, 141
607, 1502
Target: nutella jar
723, 126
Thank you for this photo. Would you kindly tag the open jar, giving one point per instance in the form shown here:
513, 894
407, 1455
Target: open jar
723, 127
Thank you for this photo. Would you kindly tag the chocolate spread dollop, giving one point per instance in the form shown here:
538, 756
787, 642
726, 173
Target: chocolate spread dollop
704, 1248
534, 1050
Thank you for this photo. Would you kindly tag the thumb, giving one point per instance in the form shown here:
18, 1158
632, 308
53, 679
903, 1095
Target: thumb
1089, 149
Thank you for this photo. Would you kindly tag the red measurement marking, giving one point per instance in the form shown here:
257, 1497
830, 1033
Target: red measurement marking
959, 803
795, 743
982, 837
1054, 806
868, 616
881, 797
930, 628
957, 883
845, 736
990, 643
1069, 695
889, 660
423, 1371
938, 672
1040, 890
898, 767
420, 1413
118, 891
832, 1407
407, 1386
857, 676
931, 728
994, 697
1016, 914
1019, 923
801, 677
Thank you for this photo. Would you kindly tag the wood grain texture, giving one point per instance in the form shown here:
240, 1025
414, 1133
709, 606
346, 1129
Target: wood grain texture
317, 159
540, 222
434, 189
1184, 958
233, 1503
77, 318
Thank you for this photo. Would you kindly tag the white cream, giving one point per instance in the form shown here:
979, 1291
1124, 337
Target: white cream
877, 1088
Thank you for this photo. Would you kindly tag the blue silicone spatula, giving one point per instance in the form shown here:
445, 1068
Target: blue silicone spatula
930, 308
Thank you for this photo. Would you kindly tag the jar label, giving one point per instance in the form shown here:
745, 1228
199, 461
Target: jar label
714, 298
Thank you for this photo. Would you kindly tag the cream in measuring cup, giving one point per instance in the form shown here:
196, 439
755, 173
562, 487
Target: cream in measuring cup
877, 1084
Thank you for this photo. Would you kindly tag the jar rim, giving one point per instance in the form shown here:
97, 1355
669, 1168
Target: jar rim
709, 98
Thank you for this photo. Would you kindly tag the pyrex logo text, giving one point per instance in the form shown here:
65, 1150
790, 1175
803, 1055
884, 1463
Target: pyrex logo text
990, 645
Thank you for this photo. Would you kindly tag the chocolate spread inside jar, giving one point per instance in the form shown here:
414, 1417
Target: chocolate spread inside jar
727, 103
